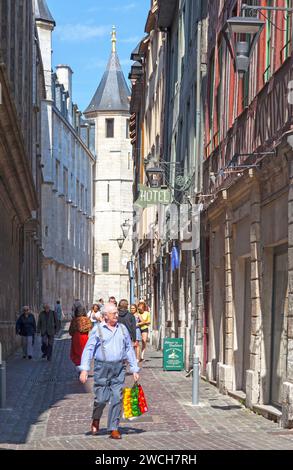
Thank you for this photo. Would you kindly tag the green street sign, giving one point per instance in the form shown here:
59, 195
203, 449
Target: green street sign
153, 196
173, 356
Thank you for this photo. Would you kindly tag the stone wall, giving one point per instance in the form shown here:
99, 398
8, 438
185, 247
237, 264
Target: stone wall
21, 83
113, 205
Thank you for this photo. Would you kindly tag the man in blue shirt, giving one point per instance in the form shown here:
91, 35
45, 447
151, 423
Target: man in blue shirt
111, 346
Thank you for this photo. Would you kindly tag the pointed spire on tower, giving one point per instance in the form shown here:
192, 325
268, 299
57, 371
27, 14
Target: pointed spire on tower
42, 12
114, 40
113, 92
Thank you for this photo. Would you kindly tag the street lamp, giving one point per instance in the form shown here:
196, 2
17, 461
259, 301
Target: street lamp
155, 176
236, 32
125, 228
120, 242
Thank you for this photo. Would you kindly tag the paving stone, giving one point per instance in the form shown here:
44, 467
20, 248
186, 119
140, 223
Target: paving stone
50, 409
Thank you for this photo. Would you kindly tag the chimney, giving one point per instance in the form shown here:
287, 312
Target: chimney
64, 74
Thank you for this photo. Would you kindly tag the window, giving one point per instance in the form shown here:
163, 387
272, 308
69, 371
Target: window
288, 32
65, 182
127, 128
57, 171
71, 186
105, 262
77, 193
211, 92
82, 197
86, 201
129, 161
268, 71
108, 192
109, 128
219, 91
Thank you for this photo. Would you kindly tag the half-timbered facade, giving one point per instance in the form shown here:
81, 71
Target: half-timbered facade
248, 216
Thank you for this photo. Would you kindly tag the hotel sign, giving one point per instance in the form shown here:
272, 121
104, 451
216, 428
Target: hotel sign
153, 196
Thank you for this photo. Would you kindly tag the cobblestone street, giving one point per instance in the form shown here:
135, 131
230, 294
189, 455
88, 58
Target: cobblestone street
49, 409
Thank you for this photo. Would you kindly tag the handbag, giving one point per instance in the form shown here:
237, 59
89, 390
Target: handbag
134, 402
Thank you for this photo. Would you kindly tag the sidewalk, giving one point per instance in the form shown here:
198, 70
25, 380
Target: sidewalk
49, 409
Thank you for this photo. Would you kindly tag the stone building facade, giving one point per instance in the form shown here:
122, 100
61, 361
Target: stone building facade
167, 105
248, 219
231, 297
113, 177
21, 89
67, 190
147, 76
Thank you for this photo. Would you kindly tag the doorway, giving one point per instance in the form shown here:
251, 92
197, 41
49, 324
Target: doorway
278, 325
246, 321
242, 324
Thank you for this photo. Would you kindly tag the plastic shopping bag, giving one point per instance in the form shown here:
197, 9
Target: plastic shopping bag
134, 402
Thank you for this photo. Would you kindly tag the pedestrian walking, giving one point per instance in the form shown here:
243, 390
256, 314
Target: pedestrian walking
95, 317
138, 319
112, 300
144, 325
47, 327
94, 314
127, 319
79, 329
110, 347
77, 303
58, 312
26, 328
101, 303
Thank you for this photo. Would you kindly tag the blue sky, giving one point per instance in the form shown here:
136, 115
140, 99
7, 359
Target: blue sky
82, 38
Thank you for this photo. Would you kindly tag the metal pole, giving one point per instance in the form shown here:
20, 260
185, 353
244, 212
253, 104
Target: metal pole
132, 284
162, 299
195, 381
131, 281
2, 380
193, 311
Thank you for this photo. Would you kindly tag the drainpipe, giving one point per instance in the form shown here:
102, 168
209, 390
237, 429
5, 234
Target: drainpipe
192, 351
162, 297
131, 280
2, 380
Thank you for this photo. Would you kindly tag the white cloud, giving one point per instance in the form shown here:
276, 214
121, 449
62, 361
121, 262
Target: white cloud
81, 32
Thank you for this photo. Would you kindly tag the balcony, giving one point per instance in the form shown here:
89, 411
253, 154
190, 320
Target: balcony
257, 129
166, 10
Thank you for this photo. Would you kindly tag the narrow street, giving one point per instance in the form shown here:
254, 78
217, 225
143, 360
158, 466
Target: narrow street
49, 409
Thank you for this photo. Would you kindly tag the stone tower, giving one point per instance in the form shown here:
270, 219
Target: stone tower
113, 180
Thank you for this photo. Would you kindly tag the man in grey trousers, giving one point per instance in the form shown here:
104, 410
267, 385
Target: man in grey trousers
110, 346
47, 327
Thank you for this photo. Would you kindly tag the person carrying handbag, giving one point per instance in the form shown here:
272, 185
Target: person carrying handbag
110, 347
